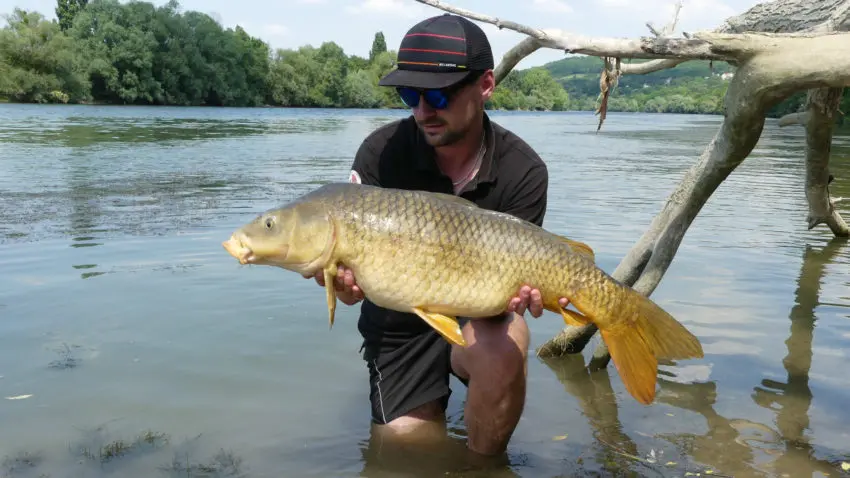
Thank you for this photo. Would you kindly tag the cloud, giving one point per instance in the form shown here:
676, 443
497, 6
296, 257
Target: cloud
660, 12
551, 6
388, 7
275, 29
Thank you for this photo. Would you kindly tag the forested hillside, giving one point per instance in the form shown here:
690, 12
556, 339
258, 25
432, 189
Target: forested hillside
106, 51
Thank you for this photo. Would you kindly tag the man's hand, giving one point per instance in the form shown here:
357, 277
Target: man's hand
346, 288
530, 299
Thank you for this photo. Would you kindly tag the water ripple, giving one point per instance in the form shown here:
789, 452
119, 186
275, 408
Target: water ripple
111, 221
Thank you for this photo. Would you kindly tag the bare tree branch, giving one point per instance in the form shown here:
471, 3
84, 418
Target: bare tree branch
819, 119
822, 105
670, 27
798, 118
515, 55
700, 46
757, 85
648, 66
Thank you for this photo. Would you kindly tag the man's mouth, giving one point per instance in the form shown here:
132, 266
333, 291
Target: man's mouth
432, 127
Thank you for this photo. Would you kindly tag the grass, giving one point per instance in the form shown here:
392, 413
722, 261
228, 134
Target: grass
221, 464
119, 448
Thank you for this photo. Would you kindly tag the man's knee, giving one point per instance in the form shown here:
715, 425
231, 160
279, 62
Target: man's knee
422, 420
493, 345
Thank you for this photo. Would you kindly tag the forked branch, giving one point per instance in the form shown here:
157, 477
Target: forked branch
515, 55
822, 106
757, 85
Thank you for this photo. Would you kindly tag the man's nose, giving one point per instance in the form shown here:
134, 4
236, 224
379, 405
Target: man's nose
423, 108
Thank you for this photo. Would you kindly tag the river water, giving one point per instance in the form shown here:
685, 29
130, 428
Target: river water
122, 317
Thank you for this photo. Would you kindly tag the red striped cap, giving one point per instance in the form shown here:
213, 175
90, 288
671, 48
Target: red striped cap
439, 52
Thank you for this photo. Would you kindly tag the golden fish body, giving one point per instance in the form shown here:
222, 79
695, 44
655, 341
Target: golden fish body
440, 256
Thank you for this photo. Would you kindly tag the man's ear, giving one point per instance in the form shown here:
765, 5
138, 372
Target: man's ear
488, 85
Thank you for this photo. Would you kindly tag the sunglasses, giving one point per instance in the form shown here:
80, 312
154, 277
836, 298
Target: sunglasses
437, 99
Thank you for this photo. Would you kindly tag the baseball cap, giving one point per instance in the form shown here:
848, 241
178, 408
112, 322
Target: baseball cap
439, 52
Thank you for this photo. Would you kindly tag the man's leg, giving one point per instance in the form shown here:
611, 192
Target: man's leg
494, 364
409, 387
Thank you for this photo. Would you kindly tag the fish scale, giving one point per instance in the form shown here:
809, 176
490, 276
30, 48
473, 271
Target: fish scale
440, 256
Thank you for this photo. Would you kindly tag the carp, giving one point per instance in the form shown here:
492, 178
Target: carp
440, 256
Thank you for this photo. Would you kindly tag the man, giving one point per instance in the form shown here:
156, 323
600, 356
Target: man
445, 75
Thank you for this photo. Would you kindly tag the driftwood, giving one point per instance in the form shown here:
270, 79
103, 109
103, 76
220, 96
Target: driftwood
779, 48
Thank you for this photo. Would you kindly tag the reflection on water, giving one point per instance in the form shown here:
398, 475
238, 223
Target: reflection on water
86, 131
114, 171
132, 345
745, 448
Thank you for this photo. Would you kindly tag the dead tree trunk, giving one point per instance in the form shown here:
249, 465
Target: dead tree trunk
779, 48
819, 120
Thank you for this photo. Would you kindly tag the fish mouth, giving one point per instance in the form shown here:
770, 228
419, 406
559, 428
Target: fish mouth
236, 248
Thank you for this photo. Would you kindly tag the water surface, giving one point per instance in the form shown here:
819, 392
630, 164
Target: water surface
122, 314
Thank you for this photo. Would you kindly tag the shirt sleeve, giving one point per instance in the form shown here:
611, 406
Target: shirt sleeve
365, 168
528, 199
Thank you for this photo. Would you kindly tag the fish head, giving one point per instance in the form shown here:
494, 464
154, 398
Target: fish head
297, 237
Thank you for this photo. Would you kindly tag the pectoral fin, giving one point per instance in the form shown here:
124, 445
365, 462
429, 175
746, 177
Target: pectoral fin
329, 275
580, 248
446, 326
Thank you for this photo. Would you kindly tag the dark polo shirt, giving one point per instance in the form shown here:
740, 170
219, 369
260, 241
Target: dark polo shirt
512, 179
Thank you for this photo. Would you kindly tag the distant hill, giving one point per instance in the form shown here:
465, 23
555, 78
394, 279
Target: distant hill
691, 87
583, 65
695, 86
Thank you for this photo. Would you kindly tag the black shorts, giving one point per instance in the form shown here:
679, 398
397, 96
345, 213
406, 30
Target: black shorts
407, 374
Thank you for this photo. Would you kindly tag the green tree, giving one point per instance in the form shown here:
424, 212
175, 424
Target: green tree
532, 89
379, 45
137, 53
67, 10
38, 63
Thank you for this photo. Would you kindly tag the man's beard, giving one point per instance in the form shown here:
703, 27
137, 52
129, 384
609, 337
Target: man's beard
445, 138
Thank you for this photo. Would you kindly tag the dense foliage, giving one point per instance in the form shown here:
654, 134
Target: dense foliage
691, 87
104, 51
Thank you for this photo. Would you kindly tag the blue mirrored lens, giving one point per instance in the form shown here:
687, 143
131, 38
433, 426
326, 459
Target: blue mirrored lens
409, 96
435, 98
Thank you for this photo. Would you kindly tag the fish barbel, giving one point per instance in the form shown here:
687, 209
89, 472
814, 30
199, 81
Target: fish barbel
440, 256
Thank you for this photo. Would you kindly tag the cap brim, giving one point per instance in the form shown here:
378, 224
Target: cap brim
422, 79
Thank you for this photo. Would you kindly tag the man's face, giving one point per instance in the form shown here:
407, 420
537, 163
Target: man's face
446, 126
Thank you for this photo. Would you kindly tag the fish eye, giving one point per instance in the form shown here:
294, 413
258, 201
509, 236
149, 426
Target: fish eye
269, 222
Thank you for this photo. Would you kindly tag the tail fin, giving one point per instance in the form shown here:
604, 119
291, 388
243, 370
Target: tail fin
636, 347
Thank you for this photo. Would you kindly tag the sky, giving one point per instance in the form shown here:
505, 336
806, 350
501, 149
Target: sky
352, 24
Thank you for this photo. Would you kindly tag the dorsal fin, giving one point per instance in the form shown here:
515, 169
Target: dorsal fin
580, 248
456, 199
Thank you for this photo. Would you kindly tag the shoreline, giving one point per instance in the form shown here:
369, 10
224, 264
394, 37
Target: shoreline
94, 103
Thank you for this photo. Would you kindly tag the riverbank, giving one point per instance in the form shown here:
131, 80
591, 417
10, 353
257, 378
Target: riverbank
345, 108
